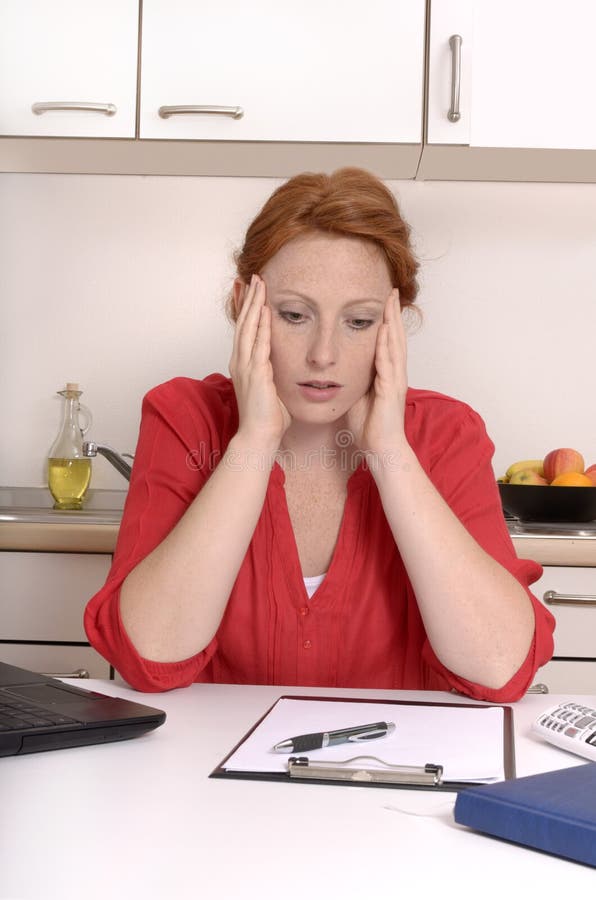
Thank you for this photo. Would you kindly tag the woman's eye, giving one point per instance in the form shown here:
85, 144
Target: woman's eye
294, 318
360, 324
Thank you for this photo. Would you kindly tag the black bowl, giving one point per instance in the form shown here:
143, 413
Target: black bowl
544, 503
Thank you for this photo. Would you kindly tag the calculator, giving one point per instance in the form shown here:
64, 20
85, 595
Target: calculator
571, 726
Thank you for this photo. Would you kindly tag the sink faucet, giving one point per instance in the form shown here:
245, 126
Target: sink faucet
90, 448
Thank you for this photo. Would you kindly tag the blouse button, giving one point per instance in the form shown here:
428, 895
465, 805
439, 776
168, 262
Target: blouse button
307, 645
304, 610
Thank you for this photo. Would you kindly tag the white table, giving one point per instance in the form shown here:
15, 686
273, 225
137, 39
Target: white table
141, 819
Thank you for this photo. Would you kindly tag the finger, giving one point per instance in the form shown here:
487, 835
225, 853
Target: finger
245, 297
247, 331
262, 344
382, 358
249, 292
392, 316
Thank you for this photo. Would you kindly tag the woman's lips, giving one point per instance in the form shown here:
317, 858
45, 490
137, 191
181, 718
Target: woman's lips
319, 391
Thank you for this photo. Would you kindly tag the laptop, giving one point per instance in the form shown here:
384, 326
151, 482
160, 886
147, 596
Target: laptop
42, 713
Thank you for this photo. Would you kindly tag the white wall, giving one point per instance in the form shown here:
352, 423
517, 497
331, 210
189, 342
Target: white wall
118, 282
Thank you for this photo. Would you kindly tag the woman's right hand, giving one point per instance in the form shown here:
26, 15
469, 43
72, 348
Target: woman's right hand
263, 418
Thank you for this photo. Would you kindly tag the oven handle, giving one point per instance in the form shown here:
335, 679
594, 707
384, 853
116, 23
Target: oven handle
552, 598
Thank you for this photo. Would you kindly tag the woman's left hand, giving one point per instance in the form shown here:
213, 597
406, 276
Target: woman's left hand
377, 419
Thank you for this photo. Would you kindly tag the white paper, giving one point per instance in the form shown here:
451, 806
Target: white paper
466, 741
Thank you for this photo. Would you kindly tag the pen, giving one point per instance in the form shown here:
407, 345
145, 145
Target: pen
320, 739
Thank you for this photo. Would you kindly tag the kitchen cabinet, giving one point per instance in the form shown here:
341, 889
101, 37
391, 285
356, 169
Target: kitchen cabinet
68, 68
510, 90
271, 89
283, 89
568, 677
269, 71
41, 610
569, 592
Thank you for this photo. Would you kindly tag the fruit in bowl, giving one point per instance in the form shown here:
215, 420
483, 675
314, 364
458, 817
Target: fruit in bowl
571, 479
527, 476
561, 461
524, 493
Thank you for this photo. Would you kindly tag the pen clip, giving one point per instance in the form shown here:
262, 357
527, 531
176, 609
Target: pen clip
367, 735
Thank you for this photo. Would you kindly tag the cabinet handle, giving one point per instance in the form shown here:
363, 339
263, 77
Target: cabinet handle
78, 673
108, 109
455, 42
554, 599
538, 688
236, 112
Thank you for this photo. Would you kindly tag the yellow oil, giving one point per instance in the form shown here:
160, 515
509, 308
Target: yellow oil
68, 480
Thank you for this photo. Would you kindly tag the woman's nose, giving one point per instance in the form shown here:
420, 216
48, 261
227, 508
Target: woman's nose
322, 351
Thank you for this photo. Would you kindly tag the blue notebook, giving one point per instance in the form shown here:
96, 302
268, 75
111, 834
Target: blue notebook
554, 811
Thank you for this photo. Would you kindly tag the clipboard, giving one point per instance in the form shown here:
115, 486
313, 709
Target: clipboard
356, 770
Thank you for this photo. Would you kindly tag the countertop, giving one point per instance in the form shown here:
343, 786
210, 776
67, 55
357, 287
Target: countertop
26, 526
558, 550
29, 522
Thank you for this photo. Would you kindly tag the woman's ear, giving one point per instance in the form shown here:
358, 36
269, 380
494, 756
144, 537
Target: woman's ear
239, 293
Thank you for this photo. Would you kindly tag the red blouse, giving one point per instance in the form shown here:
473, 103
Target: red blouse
362, 627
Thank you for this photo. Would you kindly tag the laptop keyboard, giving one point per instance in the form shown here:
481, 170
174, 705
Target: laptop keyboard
16, 714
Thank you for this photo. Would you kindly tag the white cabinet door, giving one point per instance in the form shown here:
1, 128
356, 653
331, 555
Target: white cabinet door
77, 52
563, 677
339, 71
44, 594
528, 71
41, 610
574, 608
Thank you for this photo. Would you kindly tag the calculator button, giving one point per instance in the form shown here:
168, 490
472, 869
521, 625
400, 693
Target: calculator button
571, 732
585, 721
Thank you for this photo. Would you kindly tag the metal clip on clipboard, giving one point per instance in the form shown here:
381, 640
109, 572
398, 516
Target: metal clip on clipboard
341, 770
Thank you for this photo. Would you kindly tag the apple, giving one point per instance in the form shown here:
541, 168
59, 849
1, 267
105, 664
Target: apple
527, 476
562, 460
591, 473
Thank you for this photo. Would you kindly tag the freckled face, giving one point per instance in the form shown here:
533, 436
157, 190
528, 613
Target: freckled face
327, 296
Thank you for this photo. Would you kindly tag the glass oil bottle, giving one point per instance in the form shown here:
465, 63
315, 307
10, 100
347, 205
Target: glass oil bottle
69, 471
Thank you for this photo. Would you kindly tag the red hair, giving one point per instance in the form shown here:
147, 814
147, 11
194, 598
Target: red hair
350, 203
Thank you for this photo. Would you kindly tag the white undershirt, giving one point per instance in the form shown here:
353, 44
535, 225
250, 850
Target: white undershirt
312, 583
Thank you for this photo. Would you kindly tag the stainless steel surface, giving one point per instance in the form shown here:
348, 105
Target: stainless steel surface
552, 598
90, 448
455, 42
551, 529
236, 112
35, 504
108, 109
538, 688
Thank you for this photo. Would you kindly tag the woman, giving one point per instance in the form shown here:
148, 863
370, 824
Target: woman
312, 520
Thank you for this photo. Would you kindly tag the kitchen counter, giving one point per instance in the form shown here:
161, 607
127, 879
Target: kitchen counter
561, 550
59, 537
27, 522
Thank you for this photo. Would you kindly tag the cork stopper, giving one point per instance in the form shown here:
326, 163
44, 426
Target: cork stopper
72, 386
